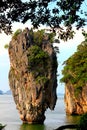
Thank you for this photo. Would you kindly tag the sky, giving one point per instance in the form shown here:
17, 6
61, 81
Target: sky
66, 50
4, 57
4, 62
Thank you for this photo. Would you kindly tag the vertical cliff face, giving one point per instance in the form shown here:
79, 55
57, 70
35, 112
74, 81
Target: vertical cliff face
32, 76
76, 101
75, 79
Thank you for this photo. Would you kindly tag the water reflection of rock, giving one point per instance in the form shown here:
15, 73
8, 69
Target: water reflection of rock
32, 127
72, 119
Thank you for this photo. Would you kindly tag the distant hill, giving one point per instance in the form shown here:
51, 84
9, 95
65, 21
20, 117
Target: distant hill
60, 95
1, 92
8, 92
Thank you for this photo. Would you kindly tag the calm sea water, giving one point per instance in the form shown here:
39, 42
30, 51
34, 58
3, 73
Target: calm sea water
9, 115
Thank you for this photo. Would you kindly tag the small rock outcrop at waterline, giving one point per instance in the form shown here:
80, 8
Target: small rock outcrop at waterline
75, 79
32, 76
76, 100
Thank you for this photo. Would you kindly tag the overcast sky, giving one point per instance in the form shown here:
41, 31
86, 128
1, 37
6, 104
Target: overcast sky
66, 50
4, 57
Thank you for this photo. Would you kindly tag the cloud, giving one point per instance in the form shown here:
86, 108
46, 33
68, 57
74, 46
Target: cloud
17, 25
4, 57
4, 39
66, 49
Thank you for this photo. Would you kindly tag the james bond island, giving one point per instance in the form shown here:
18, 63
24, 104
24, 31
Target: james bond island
32, 76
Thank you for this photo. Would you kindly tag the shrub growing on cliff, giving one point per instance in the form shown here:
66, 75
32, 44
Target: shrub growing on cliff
39, 36
75, 69
43, 80
39, 64
6, 46
16, 33
37, 57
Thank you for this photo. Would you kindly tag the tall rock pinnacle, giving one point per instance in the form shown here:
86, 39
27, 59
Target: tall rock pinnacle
32, 75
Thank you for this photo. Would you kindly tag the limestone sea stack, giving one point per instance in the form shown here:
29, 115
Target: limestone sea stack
32, 75
75, 79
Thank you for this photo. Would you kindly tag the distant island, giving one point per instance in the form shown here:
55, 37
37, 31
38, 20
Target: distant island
1, 92
7, 92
